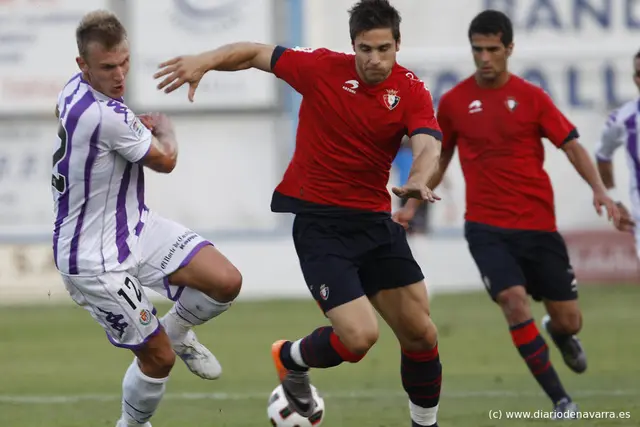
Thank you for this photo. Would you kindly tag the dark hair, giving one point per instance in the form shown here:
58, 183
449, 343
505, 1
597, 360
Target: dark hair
99, 26
492, 22
372, 15
637, 55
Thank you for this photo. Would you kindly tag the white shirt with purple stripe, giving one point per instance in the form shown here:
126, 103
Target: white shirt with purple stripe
97, 185
621, 130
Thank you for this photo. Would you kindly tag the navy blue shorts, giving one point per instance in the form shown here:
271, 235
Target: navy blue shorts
343, 259
537, 260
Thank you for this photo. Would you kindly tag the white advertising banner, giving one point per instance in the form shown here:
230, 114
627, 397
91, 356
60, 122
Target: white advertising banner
537, 23
26, 203
223, 181
38, 51
170, 28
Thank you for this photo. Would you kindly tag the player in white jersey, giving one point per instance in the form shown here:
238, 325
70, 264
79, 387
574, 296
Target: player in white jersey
108, 245
622, 130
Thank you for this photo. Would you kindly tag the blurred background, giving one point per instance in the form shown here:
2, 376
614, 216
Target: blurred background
238, 136
235, 142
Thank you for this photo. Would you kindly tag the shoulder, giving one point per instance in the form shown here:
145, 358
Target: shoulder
461, 89
119, 121
526, 88
72, 85
457, 94
115, 113
621, 114
408, 81
536, 100
79, 108
317, 54
406, 78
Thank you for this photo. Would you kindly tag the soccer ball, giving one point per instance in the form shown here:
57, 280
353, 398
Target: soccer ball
281, 415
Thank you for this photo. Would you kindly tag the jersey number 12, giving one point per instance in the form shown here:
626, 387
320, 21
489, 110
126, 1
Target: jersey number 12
58, 180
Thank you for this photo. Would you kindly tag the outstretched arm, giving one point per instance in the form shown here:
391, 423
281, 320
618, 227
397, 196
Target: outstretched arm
446, 155
581, 161
612, 137
231, 57
426, 151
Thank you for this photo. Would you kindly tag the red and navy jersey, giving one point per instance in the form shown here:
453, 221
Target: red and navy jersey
499, 135
349, 132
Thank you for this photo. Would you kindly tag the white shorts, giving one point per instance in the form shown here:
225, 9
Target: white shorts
117, 299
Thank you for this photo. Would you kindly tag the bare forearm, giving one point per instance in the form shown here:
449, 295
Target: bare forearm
436, 177
583, 164
606, 173
167, 145
426, 153
443, 164
233, 57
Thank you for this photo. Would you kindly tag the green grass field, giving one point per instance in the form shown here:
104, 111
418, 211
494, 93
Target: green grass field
59, 370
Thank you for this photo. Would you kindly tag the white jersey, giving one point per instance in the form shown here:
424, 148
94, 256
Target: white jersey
621, 130
98, 188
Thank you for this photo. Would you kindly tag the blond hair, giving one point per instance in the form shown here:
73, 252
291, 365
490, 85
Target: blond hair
99, 26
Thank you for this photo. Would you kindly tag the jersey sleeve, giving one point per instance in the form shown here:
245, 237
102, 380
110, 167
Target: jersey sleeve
297, 66
124, 133
446, 123
419, 115
554, 125
611, 137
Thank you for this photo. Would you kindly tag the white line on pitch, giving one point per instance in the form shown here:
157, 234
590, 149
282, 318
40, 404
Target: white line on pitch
355, 394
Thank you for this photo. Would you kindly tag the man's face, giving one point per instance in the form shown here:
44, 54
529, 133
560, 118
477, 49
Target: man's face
490, 56
106, 69
375, 54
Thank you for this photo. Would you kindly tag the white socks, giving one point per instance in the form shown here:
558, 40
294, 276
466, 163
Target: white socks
140, 395
192, 309
423, 416
296, 354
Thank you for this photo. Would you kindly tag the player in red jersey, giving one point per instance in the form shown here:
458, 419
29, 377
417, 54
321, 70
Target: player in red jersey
497, 120
354, 257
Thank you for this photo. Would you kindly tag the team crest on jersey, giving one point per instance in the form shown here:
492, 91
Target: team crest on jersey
145, 317
391, 99
511, 103
137, 127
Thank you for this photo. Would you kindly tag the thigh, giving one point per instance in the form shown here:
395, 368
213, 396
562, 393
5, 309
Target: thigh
390, 265
165, 247
548, 270
330, 272
494, 258
406, 311
119, 304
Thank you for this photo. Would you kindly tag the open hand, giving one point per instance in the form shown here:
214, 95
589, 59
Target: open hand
415, 191
626, 223
180, 70
404, 216
602, 200
157, 123
147, 120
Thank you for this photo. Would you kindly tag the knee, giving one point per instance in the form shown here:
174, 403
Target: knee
228, 285
567, 323
420, 336
358, 340
514, 304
